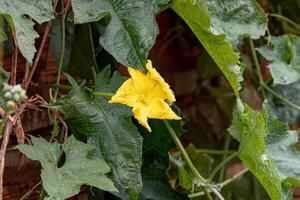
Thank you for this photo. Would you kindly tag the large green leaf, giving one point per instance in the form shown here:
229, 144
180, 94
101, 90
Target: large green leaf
250, 128
80, 167
283, 52
197, 17
109, 127
15, 12
237, 18
267, 148
131, 31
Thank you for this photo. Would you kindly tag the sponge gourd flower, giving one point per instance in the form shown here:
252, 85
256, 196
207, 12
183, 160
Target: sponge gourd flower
147, 95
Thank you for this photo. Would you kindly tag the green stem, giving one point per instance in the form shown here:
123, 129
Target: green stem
256, 189
222, 164
190, 163
257, 66
184, 153
222, 184
226, 147
62, 53
264, 85
288, 20
215, 151
278, 96
66, 87
103, 94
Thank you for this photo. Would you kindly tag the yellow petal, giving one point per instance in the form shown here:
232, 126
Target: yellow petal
141, 82
146, 93
159, 109
160, 89
126, 94
140, 112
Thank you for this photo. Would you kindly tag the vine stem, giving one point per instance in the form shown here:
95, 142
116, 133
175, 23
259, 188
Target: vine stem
29, 192
190, 163
40, 50
288, 20
103, 94
222, 184
222, 164
257, 66
278, 96
264, 85
62, 53
226, 147
215, 151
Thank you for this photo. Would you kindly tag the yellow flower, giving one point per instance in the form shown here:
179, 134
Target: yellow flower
146, 94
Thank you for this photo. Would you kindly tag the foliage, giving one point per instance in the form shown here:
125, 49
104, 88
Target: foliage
80, 167
14, 13
100, 143
282, 52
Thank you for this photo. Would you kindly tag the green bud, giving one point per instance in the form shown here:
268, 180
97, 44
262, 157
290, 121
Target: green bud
10, 105
23, 94
7, 95
16, 97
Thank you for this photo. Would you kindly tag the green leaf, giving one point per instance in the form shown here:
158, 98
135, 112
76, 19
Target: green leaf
159, 141
15, 12
80, 167
197, 17
282, 53
250, 128
82, 60
283, 111
109, 128
131, 31
155, 180
267, 147
237, 18
281, 147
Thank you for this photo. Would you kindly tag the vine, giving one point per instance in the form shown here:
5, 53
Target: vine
114, 127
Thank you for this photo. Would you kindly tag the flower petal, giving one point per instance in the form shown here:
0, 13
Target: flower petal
160, 89
159, 109
141, 82
141, 112
126, 94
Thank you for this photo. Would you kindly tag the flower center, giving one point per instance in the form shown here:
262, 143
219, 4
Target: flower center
144, 99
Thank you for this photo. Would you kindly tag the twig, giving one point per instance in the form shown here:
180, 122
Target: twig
29, 192
40, 50
6, 134
26, 73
